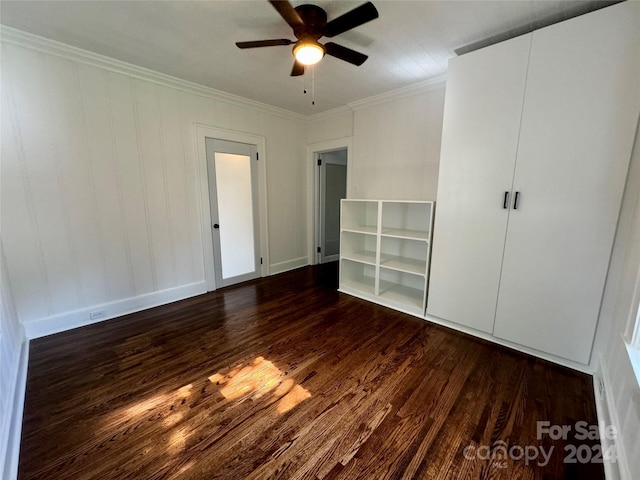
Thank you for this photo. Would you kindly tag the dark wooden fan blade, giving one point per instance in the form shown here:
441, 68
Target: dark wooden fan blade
264, 43
297, 70
356, 17
286, 11
344, 53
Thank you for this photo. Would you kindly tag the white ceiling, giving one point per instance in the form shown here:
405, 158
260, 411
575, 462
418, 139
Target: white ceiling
195, 40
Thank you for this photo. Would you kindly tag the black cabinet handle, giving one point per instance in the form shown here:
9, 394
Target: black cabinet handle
505, 204
215, 225
515, 201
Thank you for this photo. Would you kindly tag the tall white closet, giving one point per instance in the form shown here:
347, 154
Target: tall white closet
537, 137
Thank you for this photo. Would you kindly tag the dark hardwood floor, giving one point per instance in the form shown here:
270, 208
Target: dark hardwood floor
284, 377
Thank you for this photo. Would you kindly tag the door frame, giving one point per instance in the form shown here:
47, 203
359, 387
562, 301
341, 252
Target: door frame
201, 133
321, 210
313, 189
249, 151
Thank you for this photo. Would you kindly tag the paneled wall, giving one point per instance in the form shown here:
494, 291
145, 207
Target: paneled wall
11, 341
617, 317
330, 125
396, 147
396, 141
100, 201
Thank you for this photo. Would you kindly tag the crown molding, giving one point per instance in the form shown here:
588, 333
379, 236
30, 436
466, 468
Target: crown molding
23, 39
334, 112
413, 89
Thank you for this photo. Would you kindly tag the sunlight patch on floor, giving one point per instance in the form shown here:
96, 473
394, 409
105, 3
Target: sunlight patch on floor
296, 395
258, 378
170, 410
252, 380
177, 441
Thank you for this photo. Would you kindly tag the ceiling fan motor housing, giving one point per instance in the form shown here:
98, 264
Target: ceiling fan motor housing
309, 24
314, 18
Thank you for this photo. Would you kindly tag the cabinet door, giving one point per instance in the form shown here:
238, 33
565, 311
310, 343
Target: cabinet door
580, 111
483, 107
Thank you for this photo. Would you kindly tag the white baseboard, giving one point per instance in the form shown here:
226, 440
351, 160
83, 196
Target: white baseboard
9, 470
379, 301
281, 267
80, 318
611, 470
588, 369
607, 412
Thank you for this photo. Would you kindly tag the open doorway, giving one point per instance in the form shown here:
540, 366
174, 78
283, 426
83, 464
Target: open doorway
332, 187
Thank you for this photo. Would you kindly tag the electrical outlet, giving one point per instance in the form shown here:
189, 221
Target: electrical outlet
97, 314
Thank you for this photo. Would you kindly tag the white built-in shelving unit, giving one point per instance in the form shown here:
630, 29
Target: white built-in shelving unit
384, 252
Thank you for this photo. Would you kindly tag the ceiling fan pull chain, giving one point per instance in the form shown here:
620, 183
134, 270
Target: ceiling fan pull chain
313, 84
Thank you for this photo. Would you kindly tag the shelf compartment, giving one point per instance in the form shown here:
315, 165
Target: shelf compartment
407, 219
405, 255
361, 229
357, 276
409, 234
384, 252
403, 289
403, 264
359, 247
360, 216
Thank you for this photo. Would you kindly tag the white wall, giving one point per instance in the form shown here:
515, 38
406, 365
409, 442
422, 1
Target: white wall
330, 125
12, 340
396, 146
616, 317
396, 141
100, 201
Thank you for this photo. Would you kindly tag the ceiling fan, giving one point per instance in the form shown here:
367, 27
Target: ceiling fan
309, 24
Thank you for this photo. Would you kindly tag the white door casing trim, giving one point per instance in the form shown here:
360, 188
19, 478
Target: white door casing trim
312, 187
201, 133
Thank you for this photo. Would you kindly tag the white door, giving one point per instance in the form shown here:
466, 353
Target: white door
333, 188
580, 108
233, 197
483, 108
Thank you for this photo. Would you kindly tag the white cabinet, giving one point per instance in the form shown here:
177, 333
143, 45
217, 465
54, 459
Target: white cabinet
483, 106
577, 132
534, 275
384, 252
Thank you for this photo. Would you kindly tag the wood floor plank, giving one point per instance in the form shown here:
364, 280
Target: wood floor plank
285, 378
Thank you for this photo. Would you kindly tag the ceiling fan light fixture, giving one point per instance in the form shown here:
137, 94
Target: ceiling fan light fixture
308, 52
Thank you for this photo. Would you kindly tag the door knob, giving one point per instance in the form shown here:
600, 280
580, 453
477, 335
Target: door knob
215, 225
